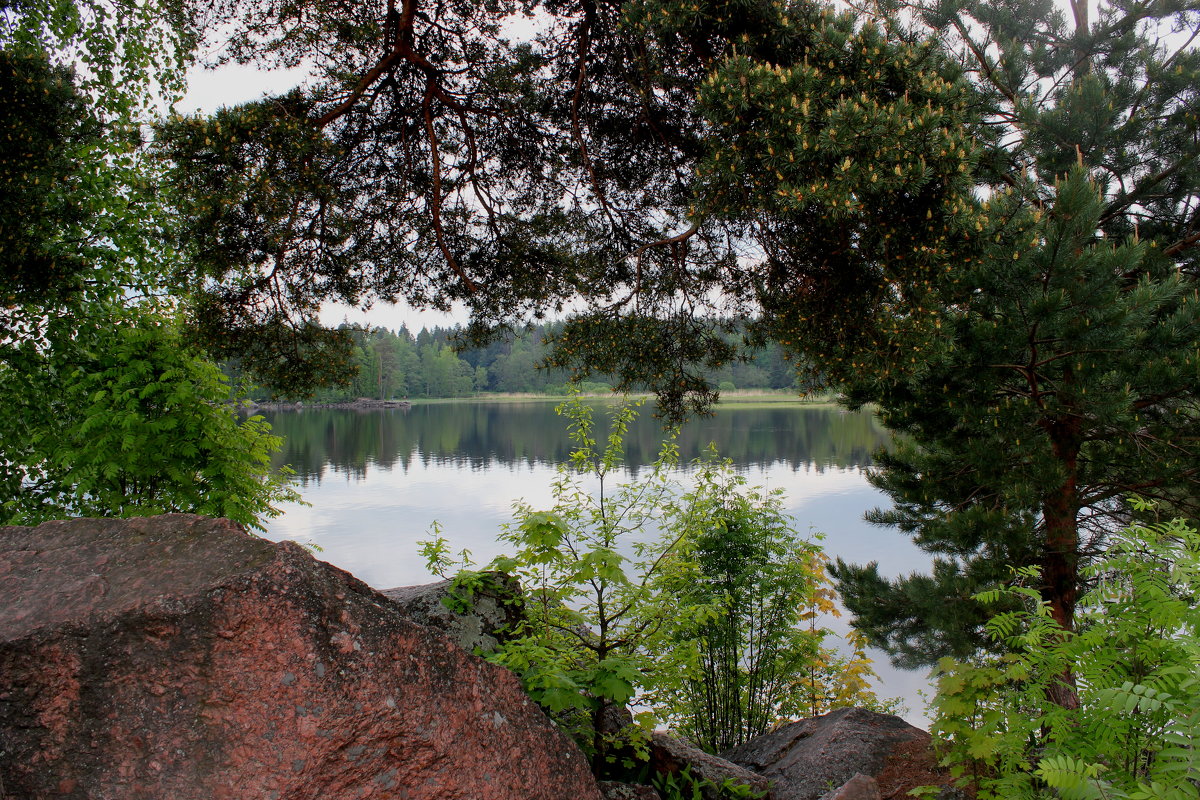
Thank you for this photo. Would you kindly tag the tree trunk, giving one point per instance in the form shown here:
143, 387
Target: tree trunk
1060, 550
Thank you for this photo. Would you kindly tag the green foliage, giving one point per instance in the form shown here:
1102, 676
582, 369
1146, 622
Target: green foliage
692, 603
1066, 382
683, 785
833, 678
438, 560
266, 154
117, 416
44, 126
131, 56
441, 362
105, 409
589, 569
1134, 657
743, 563
753, 660
448, 189
80, 79
1064, 374
695, 143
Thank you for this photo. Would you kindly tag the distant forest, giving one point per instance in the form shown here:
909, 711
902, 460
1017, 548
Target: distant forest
398, 364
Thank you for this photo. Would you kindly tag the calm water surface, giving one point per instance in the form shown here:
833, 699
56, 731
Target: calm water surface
376, 480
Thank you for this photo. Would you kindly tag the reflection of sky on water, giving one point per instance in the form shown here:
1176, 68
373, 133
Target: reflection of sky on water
370, 525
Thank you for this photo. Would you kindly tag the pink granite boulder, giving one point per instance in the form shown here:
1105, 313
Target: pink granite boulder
179, 657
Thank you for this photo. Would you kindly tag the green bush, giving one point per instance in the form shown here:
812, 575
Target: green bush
683, 785
740, 560
1133, 664
117, 415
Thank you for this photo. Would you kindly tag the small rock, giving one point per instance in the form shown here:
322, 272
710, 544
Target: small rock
860, 787
493, 611
614, 719
615, 790
669, 754
803, 759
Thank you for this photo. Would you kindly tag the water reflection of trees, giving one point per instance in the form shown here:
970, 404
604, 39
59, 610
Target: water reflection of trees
482, 435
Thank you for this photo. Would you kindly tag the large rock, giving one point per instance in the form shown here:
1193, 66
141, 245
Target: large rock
478, 623
805, 759
178, 657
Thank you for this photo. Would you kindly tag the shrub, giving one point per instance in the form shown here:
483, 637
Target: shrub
742, 563
1134, 662
756, 654
588, 567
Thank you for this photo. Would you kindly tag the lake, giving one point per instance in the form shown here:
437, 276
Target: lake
375, 481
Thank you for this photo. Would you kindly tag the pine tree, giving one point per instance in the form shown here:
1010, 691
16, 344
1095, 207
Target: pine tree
1067, 377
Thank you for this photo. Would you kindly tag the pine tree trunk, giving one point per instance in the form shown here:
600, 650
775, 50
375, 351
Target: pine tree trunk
1060, 553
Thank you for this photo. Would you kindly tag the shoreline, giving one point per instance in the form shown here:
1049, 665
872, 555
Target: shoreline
749, 397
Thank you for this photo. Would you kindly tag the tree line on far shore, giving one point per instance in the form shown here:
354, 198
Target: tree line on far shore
399, 364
